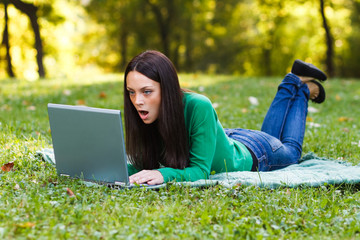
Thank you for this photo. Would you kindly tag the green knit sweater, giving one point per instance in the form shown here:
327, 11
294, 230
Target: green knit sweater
210, 148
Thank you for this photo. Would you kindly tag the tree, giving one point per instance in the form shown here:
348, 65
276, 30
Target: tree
164, 16
329, 42
121, 24
274, 17
31, 11
5, 41
256, 37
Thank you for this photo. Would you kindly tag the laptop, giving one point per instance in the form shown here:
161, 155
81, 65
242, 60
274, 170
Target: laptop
89, 144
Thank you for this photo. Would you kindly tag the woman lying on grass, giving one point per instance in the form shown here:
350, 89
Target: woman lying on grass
174, 134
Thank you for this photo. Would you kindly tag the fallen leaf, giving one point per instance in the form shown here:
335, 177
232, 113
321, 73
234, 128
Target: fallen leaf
253, 100
244, 110
31, 108
102, 95
312, 110
67, 92
344, 119
26, 225
70, 193
309, 119
7, 167
49, 181
337, 97
80, 102
25, 103
312, 124
225, 87
6, 107
356, 143
215, 105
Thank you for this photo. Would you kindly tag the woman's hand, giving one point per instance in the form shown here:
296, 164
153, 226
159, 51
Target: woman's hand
150, 177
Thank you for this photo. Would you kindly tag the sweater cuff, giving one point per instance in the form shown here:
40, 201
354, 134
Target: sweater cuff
166, 174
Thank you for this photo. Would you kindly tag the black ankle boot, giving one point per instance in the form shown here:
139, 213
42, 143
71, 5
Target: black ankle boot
304, 69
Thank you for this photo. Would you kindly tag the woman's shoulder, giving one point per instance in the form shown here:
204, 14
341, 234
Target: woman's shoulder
192, 98
198, 109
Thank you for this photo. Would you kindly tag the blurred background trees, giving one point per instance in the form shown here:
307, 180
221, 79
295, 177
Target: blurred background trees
247, 37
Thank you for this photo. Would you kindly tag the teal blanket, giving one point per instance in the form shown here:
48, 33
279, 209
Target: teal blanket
311, 171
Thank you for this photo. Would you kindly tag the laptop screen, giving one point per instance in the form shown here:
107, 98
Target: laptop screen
88, 143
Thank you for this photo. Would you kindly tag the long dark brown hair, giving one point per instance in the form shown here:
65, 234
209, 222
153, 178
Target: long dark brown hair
165, 140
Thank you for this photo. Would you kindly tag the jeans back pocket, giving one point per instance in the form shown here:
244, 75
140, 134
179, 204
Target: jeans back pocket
274, 143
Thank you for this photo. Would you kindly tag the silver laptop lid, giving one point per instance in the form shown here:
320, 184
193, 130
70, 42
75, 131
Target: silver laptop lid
88, 143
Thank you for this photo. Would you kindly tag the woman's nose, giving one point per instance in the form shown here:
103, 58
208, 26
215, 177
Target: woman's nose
139, 99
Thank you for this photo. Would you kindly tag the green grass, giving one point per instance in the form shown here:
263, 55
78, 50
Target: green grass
34, 203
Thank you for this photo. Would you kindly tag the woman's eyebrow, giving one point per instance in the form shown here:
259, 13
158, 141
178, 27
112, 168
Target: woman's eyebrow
146, 87
143, 88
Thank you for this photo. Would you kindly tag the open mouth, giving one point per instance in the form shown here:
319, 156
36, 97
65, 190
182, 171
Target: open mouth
143, 114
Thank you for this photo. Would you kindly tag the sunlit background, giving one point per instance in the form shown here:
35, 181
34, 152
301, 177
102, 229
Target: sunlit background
244, 37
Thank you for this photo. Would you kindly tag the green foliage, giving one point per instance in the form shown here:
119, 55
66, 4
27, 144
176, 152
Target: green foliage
36, 203
248, 37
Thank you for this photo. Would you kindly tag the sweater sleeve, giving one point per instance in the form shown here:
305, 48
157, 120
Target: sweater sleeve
132, 170
201, 122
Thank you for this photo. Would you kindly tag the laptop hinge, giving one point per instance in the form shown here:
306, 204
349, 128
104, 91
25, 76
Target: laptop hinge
120, 183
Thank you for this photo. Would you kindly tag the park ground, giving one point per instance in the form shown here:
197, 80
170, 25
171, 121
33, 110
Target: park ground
35, 203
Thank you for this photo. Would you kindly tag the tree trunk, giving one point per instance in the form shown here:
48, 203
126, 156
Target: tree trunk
189, 46
30, 10
267, 61
175, 54
5, 42
123, 50
164, 23
329, 43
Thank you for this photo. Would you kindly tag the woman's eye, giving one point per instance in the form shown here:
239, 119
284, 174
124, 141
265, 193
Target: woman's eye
131, 93
147, 92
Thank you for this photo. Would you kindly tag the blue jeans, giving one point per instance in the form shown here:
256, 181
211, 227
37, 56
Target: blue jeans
279, 143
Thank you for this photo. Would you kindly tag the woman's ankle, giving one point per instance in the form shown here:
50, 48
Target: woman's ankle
313, 89
305, 79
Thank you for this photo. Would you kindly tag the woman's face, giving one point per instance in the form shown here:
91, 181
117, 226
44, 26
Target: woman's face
145, 95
